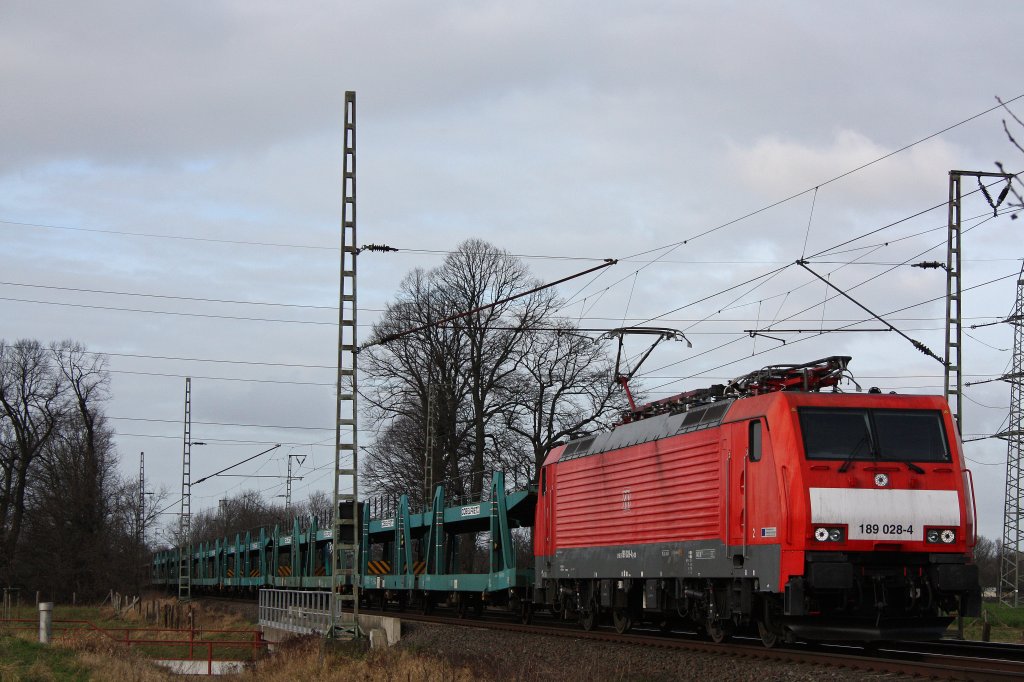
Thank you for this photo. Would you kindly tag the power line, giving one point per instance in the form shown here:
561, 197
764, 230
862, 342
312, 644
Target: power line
672, 247
215, 360
387, 338
168, 296
795, 341
152, 235
235, 441
209, 378
827, 298
301, 306
832, 249
773, 272
164, 312
247, 459
427, 251
917, 344
274, 320
254, 426
839, 177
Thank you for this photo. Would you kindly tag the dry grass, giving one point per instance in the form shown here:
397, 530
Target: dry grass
206, 619
92, 655
126, 667
309, 660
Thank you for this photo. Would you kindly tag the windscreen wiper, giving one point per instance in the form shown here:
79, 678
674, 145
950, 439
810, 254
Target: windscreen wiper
913, 467
853, 453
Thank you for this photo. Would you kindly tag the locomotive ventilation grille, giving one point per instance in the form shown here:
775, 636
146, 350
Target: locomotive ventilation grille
697, 418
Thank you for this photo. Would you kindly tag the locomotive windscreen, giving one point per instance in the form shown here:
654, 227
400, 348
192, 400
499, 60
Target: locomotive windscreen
863, 434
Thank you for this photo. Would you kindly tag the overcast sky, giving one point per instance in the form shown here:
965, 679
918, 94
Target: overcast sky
562, 131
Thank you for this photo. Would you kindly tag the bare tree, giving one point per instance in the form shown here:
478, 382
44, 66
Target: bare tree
987, 555
317, 506
247, 511
565, 386
60, 493
479, 277
32, 409
83, 458
414, 376
496, 385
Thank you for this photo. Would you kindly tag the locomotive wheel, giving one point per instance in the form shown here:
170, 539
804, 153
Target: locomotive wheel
478, 607
460, 605
621, 620
563, 608
769, 638
716, 631
588, 616
771, 634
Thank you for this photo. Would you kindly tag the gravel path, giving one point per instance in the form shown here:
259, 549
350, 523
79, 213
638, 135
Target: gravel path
496, 655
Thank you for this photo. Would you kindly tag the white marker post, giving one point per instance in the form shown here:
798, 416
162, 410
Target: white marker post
45, 621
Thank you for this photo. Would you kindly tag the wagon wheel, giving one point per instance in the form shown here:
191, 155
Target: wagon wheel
403, 601
460, 605
478, 607
382, 601
427, 604
526, 613
621, 620
588, 615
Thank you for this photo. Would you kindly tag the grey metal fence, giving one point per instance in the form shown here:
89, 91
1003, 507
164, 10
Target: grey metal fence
296, 611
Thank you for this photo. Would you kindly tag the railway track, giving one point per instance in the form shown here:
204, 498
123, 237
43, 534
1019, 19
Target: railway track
950, 660
946, 659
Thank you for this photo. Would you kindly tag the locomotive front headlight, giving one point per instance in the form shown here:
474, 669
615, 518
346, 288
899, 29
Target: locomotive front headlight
821, 534
835, 535
932, 536
948, 536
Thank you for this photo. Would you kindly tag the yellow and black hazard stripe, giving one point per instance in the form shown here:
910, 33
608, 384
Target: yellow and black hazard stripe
254, 573
231, 573
378, 567
419, 567
284, 571
320, 570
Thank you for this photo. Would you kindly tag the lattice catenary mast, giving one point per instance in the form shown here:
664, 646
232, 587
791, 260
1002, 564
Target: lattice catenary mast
345, 526
1013, 537
140, 524
185, 527
289, 478
953, 389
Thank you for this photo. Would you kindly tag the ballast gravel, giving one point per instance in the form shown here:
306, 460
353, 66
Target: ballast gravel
497, 655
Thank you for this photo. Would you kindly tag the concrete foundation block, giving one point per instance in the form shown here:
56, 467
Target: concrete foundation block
378, 638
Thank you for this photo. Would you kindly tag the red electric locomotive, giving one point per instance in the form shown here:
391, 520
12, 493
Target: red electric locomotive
769, 503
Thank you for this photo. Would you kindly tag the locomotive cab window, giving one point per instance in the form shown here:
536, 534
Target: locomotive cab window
911, 435
875, 434
754, 447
